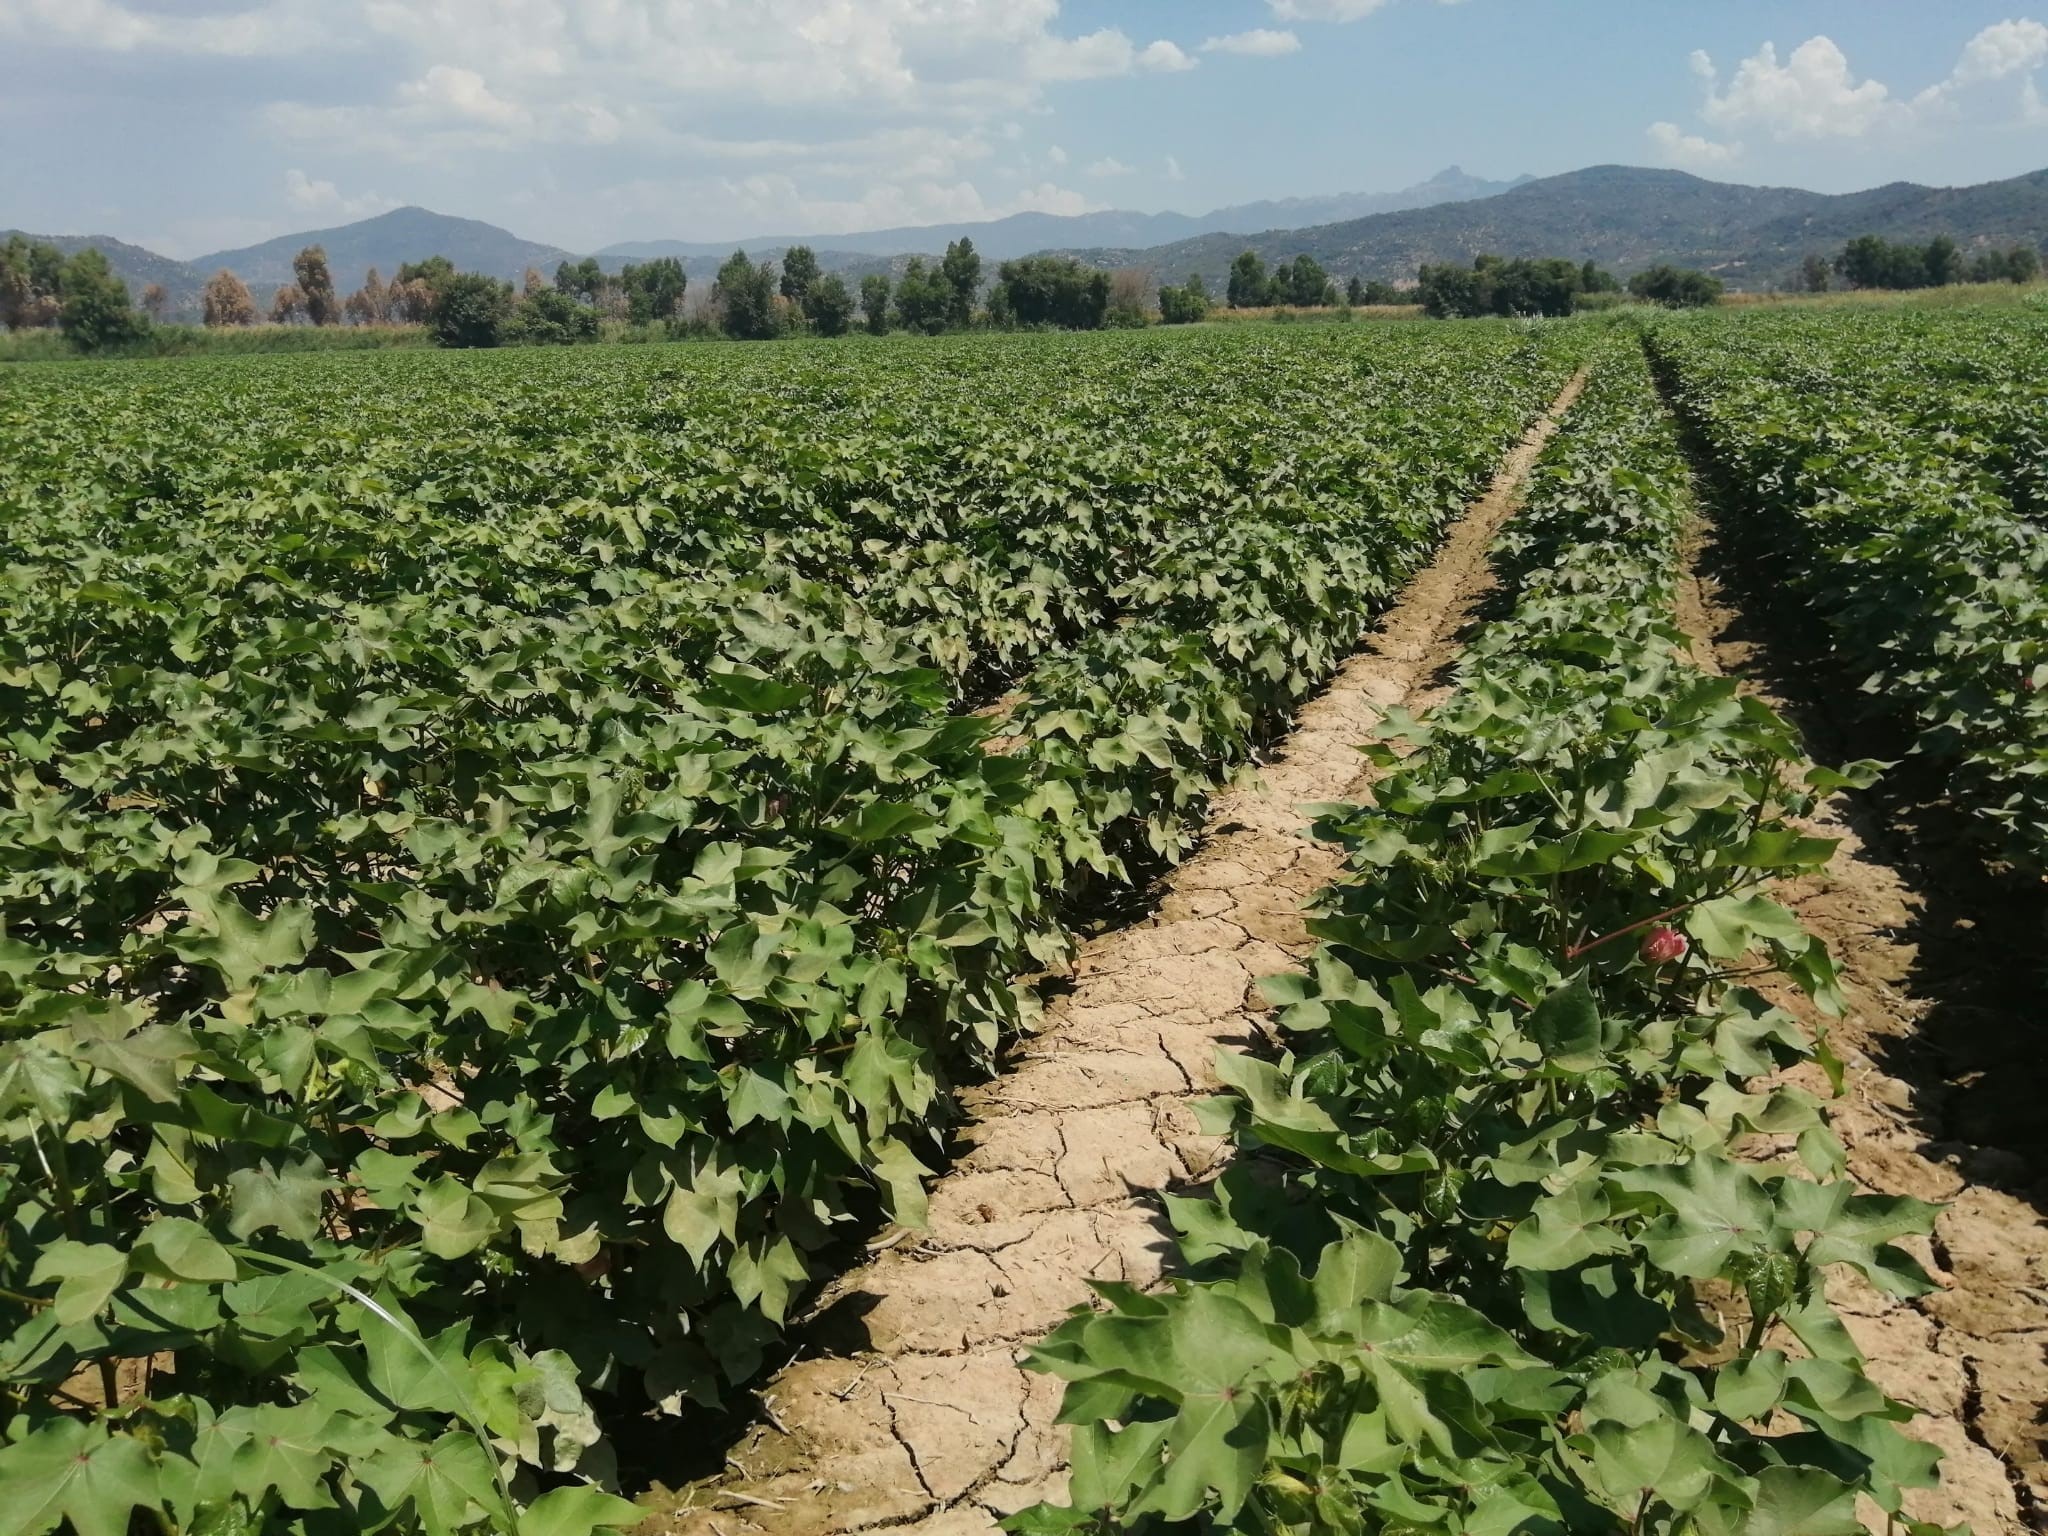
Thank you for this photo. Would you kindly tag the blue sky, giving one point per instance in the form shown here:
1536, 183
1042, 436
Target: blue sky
192, 125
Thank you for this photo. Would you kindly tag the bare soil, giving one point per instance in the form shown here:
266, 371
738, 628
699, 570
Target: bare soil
909, 1408
1974, 1355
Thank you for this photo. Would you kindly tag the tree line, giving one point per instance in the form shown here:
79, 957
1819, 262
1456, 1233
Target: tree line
1869, 262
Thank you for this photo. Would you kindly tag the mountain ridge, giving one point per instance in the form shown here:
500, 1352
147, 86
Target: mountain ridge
1623, 217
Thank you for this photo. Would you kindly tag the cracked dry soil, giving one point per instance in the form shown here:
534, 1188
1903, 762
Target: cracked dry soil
1973, 1356
926, 1422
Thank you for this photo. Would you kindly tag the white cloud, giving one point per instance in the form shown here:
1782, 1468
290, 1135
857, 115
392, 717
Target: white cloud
307, 195
107, 26
2001, 49
1111, 166
1259, 43
1813, 94
1173, 170
775, 203
1690, 151
1325, 10
1163, 57
1056, 155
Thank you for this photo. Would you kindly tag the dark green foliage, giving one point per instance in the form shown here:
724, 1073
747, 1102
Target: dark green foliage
97, 315
924, 299
961, 270
744, 296
1054, 291
1816, 273
1186, 305
1675, 289
470, 310
1250, 287
550, 318
2021, 264
874, 303
583, 280
799, 272
654, 290
436, 272
31, 283
1302, 283
1494, 285
829, 306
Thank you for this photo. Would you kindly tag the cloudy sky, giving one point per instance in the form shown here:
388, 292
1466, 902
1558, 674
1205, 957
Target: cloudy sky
194, 125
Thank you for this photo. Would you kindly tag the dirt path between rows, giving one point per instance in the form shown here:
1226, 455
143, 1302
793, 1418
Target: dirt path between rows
913, 1411
1974, 1355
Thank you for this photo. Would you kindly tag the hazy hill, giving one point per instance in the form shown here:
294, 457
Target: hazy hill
1623, 217
1627, 218
386, 242
1024, 233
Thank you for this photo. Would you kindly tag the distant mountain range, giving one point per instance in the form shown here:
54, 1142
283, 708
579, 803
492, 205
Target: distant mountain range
1022, 234
1623, 217
1626, 219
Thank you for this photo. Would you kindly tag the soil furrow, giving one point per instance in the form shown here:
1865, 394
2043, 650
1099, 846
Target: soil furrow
1971, 1356
913, 1412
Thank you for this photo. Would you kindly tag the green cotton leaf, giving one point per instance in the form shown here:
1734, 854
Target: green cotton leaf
1781, 848
1111, 1466
577, 1511
902, 1178
453, 1221
1358, 1268
767, 1273
879, 820
250, 1451
76, 1471
1717, 1207
1747, 1390
89, 1273
416, 1373
1566, 1025
450, 1482
285, 1196
1564, 1230
178, 1248
1430, 1333
1670, 1462
238, 944
1792, 1501
1729, 927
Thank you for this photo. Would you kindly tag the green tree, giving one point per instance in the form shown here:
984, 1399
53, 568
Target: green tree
1249, 286
470, 310
874, 302
1308, 285
923, 299
550, 317
829, 304
433, 272
1815, 273
31, 283
1378, 291
1354, 291
744, 296
799, 273
1185, 305
96, 313
1676, 288
961, 270
654, 290
583, 280
1943, 262
1053, 291
2022, 264
309, 269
